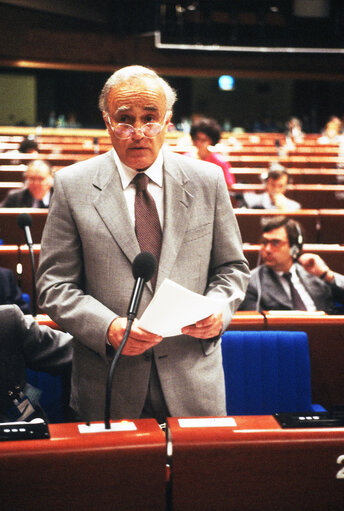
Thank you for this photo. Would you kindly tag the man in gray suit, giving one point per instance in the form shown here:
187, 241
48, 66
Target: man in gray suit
286, 276
89, 243
274, 197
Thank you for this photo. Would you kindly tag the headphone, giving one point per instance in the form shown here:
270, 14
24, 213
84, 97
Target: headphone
296, 248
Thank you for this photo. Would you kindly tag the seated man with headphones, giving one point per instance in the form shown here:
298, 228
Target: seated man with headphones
288, 280
276, 181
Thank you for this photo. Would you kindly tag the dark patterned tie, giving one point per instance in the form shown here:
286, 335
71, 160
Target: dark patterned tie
295, 297
147, 224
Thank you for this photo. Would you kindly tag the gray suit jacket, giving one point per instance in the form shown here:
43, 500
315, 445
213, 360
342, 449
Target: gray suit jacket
265, 292
85, 280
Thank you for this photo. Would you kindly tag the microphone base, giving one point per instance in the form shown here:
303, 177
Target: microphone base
101, 428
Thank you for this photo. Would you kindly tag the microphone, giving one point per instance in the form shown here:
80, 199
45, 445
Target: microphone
144, 267
24, 221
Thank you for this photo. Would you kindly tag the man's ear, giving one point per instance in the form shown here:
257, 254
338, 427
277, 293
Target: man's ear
168, 119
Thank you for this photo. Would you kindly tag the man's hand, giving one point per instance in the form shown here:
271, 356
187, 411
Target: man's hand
315, 265
206, 328
138, 341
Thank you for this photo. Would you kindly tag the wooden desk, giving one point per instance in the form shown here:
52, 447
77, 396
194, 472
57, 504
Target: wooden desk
331, 226
53, 159
255, 465
326, 349
249, 221
259, 161
124, 470
12, 234
310, 196
296, 176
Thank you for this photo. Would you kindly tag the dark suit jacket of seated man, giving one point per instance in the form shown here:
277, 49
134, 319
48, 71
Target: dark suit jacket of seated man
318, 286
26, 344
10, 292
37, 191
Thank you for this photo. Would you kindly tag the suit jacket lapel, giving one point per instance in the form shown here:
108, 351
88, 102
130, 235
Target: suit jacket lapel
113, 210
276, 291
177, 201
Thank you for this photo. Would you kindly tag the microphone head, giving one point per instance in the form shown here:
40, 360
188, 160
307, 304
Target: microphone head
144, 266
24, 220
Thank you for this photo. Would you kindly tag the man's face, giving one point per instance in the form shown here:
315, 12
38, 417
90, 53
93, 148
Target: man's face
275, 186
39, 182
137, 103
276, 249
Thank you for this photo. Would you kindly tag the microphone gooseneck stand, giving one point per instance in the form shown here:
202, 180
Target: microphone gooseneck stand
112, 372
144, 266
34, 293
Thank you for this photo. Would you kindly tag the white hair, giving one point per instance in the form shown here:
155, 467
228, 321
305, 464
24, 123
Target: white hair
129, 74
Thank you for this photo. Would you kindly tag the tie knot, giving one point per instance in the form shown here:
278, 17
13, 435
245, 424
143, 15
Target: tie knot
287, 276
141, 182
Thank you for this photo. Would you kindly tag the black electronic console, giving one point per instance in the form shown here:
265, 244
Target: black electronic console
35, 429
330, 419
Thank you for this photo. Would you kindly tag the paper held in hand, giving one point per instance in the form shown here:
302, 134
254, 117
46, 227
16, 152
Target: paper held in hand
174, 307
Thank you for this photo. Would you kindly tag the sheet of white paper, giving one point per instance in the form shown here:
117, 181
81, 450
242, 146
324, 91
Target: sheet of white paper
174, 307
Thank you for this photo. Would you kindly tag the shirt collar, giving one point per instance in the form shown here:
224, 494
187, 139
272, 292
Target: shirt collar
291, 270
127, 174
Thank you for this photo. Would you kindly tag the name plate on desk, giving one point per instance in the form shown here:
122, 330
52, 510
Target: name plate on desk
208, 422
100, 427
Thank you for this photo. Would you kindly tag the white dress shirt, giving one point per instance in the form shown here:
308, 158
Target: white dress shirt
306, 298
155, 185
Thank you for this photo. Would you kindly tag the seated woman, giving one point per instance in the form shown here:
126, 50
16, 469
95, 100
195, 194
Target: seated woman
205, 134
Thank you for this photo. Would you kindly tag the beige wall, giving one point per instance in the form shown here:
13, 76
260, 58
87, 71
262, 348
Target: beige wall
17, 99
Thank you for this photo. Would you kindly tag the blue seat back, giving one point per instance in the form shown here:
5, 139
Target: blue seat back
51, 399
267, 372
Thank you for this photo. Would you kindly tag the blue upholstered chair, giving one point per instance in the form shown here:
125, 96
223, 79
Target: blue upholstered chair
53, 397
267, 372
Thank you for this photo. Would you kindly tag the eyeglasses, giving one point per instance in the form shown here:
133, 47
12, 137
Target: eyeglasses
274, 242
124, 131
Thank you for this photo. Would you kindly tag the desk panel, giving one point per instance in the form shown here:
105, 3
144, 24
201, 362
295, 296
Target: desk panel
331, 226
125, 471
256, 466
12, 234
249, 221
326, 350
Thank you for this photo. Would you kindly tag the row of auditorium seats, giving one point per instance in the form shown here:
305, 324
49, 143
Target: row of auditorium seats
324, 176
266, 372
261, 161
325, 339
310, 196
14, 173
88, 147
320, 225
12, 255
